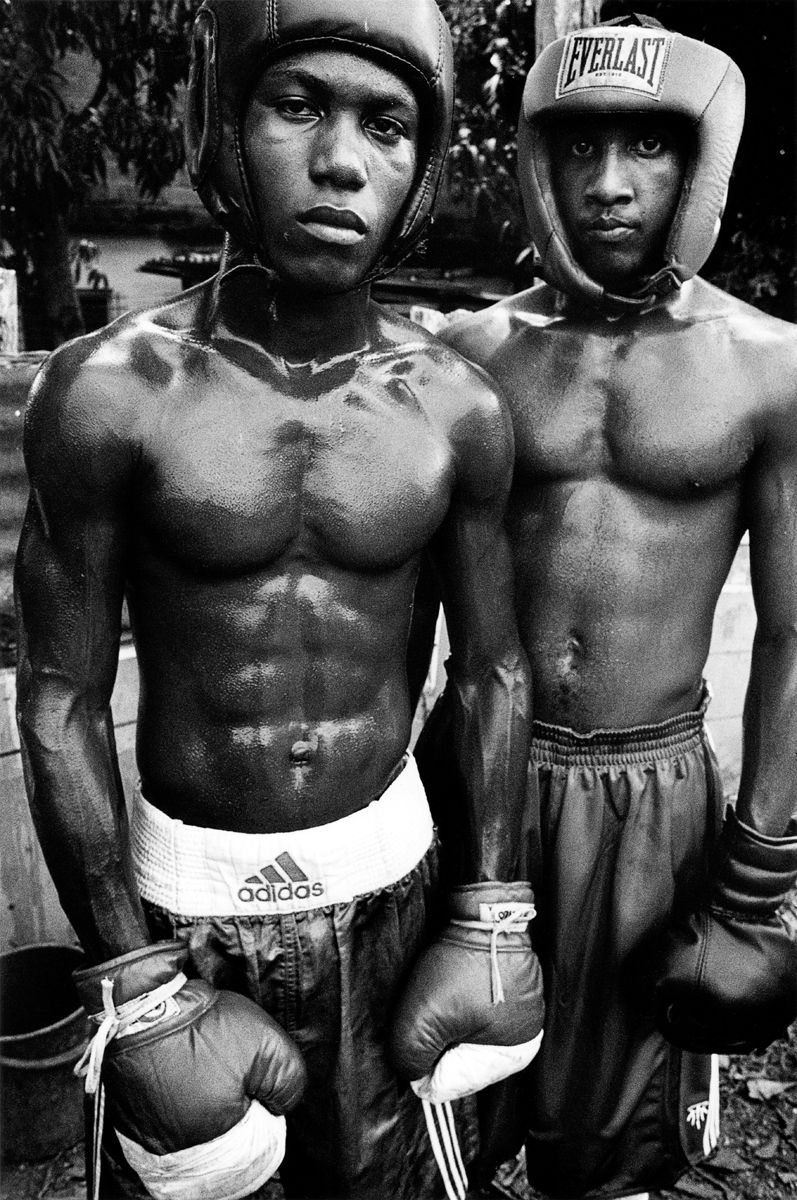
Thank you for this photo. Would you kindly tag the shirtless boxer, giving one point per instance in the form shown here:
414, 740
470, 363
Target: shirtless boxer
655, 421
258, 466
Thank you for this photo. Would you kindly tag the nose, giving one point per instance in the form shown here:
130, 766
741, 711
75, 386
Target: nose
338, 157
611, 182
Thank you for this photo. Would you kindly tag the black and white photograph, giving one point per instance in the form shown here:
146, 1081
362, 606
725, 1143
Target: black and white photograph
398, 599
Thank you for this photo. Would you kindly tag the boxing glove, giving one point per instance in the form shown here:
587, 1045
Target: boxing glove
195, 1079
728, 981
472, 1011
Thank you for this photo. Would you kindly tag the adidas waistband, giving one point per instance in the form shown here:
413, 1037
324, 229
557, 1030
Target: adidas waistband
196, 872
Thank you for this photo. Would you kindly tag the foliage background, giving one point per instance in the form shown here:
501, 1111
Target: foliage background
52, 155
755, 255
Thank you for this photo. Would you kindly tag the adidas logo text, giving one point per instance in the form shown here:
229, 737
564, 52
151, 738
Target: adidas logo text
281, 880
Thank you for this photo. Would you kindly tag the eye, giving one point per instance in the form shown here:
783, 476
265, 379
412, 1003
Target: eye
581, 148
296, 108
650, 145
386, 129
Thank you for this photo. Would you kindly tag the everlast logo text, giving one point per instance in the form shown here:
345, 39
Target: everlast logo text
626, 58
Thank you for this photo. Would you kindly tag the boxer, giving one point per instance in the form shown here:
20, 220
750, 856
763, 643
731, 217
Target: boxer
258, 467
655, 421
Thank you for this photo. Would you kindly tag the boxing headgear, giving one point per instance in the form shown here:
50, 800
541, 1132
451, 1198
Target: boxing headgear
632, 65
234, 40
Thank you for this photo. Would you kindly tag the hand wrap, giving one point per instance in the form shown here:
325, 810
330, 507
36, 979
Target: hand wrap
728, 981
184, 1066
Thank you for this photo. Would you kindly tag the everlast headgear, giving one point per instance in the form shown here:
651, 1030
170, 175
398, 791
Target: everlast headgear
632, 65
234, 40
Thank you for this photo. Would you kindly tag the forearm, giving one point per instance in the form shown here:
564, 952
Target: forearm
768, 790
491, 729
77, 804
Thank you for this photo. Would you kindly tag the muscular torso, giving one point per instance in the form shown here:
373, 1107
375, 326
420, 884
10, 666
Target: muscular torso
633, 440
276, 520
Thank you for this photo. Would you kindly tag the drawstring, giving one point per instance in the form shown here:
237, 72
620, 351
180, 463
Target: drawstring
115, 1023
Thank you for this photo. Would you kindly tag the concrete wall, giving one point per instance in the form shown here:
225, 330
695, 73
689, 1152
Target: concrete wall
728, 667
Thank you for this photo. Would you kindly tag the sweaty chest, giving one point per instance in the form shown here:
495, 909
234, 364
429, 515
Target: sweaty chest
661, 414
238, 472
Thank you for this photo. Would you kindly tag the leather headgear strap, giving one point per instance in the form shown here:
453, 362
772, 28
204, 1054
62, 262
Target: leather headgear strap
632, 65
234, 40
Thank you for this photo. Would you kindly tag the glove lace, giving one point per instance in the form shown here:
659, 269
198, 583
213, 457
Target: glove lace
507, 924
115, 1022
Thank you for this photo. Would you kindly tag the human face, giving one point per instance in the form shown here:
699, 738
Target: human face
618, 180
330, 141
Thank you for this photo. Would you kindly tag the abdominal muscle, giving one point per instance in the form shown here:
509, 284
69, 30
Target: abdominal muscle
274, 703
615, 601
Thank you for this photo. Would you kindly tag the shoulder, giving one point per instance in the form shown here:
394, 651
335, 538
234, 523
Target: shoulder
443, 377
481, 336
89, 398
757, 354
750, 328
463, 404
105, 367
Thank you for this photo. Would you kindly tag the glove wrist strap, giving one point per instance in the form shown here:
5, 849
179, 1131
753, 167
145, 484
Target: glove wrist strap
755, 873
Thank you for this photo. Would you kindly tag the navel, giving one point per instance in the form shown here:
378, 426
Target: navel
305, 750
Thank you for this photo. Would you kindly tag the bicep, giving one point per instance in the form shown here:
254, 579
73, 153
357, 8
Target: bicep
69, 586
69, 574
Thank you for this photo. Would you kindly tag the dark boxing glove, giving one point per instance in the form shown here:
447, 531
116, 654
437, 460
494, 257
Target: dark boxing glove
728, 983
472, 1011
185, 1065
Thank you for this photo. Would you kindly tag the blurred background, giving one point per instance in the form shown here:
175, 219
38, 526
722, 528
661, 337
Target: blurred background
96, 214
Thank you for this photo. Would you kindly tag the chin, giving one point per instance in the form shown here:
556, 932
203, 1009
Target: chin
323, 273
323, 281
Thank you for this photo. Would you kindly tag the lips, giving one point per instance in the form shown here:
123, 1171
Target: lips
338, 226
609, 229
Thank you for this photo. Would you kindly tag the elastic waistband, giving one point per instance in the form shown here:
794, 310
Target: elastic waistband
196, 872
557, 745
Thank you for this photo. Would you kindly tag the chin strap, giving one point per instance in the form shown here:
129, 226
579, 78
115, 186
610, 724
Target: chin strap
653, 290
657, 287
206, 317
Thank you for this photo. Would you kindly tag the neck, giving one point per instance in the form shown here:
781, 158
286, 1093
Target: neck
297, 326
306, 327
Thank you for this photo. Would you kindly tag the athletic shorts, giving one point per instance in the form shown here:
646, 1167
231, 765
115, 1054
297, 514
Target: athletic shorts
627, 822
320, 927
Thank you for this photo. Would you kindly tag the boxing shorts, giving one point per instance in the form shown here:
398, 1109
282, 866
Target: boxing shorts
320, 927
628, 818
